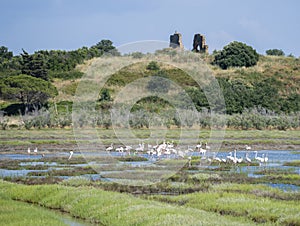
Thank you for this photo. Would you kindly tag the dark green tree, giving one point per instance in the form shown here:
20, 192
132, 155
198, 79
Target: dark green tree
27, 89
5, 58
275, 52
236, 54
34, 65
104, 46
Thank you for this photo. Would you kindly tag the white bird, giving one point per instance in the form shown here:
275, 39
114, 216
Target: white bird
110, 148
216, 158
247, 147
180, 154
35, 150
260, 159
189, 149
198, 146
247, 158
202, 151
28, 151
120, 149
229, 157
266, 158
140, 148
206, 146
71, 154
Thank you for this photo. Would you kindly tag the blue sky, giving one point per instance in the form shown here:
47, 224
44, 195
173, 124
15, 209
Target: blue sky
70, 24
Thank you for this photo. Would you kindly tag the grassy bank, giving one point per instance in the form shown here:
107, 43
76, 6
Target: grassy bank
111, 208
58, 139
256, 203
13, 213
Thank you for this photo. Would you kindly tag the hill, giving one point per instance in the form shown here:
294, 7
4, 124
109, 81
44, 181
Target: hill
263, 96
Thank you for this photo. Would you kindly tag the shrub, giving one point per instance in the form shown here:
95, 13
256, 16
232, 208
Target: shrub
236, 54
275, 52
153, 66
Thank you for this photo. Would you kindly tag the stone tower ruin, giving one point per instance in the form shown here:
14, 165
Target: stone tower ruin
199, 44
176, 40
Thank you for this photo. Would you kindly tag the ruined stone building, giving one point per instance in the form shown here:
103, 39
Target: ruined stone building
199, 44
176, 40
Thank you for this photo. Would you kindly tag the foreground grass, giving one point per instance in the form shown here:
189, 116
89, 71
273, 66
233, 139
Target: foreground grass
111, 208
16, 213
253, 202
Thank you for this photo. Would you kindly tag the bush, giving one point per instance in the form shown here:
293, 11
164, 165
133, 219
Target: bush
275, 52
236, 54
153, 66
137, 55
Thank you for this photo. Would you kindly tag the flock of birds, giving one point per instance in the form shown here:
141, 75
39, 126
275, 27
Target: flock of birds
168, 149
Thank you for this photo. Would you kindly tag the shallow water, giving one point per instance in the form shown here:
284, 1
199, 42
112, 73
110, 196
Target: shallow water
285, 187
276, 161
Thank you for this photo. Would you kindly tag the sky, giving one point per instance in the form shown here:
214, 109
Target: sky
70, 24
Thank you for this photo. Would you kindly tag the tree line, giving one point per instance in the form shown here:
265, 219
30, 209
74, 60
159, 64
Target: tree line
27, 77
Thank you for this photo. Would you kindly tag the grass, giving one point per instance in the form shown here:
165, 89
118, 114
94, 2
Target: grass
64, 137
14, 213
110, 208
293, 163
245, 205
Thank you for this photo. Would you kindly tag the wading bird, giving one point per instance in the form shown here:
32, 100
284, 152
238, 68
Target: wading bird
71, 154
248, 160
28, 151
110, 148
247, 147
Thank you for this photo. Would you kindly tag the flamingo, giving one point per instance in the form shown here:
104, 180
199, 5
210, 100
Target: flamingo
140, 148
237, 160
247, 147
260, 159
229, 157
202, 151
189, 149
110, 148
71, 154
120, 150
206, 146
198, 146
264, 159
216, 158
248, 160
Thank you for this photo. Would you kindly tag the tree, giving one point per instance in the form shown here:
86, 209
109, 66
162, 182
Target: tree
5, 54
34, 65
5, 58
27, 89
275, 52
104, 46
236, 54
